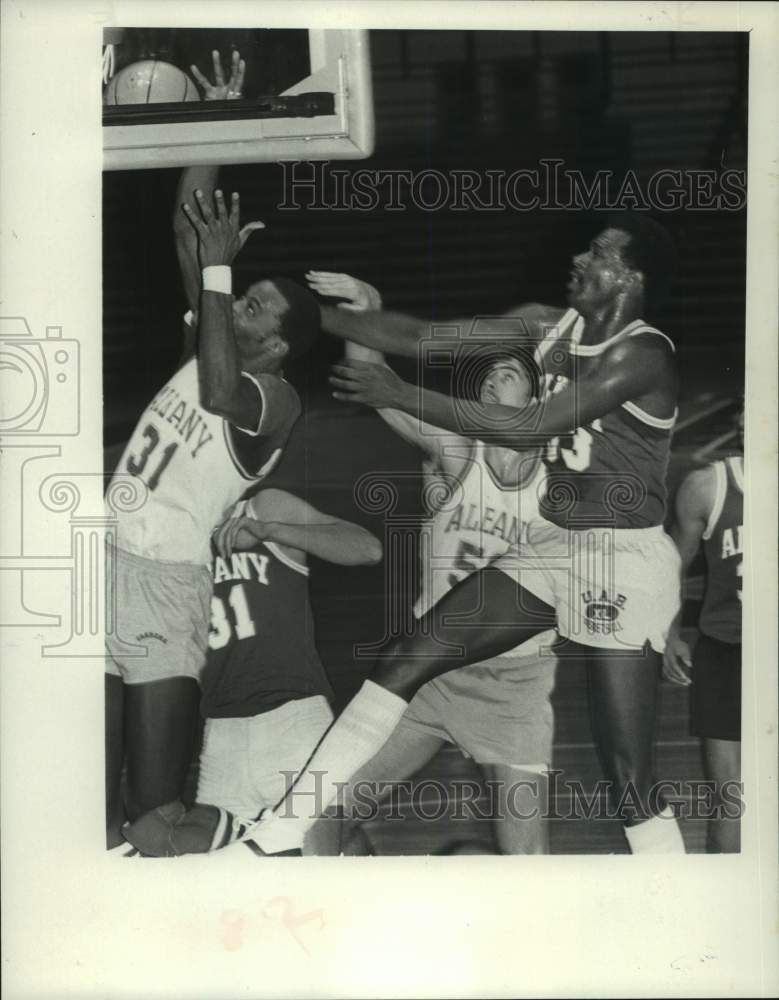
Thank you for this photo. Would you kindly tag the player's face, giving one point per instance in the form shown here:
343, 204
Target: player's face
601, 272
506, 383
256, 319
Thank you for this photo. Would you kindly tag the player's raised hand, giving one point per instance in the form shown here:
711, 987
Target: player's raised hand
677, 660
219, 90
370, 384
360, 295
218, 230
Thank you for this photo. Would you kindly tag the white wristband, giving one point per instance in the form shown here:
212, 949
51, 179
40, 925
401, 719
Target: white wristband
218, 278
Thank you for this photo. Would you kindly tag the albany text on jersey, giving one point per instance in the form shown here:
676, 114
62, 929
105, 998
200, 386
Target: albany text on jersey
261, 652
723, 547
187, 459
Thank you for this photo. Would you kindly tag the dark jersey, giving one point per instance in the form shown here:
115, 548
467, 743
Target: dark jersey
612, 471
723, 549
261, 642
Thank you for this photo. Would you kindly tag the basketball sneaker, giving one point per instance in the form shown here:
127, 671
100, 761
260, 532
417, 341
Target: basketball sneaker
174, 829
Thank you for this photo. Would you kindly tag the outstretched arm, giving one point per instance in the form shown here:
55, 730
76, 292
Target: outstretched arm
628, 370
202, 178
277, 516
361, 297
387, 332
398, 333
693, 505
223, 390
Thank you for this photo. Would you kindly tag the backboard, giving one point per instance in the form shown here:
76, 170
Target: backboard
307, 95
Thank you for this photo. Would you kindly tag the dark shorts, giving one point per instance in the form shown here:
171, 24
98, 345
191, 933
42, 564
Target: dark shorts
716, 689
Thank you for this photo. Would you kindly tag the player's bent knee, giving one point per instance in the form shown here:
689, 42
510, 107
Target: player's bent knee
406, 664
403, 677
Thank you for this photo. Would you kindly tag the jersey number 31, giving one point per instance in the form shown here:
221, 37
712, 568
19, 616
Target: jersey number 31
136, 465
221, 626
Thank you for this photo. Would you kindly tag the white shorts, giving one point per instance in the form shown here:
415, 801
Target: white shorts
497, 712
243, 761
612, 588
161, 612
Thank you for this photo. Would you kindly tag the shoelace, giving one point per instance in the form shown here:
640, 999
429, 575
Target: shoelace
249, 828
230, 829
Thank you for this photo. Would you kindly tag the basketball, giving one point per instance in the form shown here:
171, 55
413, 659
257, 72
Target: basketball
150, 82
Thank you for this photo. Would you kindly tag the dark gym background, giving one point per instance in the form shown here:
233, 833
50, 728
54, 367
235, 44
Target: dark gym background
477, 101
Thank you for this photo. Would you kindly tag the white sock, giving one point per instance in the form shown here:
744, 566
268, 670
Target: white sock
123, 850
659, 835
357, 734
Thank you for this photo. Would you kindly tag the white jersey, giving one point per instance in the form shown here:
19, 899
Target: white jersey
480, 521
186, 458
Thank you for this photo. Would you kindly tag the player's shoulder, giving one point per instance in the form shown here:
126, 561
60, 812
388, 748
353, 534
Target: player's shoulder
452, 454
538, 316
648, 337
698, 489
279, 397
449, 443
274, 378
702, 477
187, 364
646, 345
278, 382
